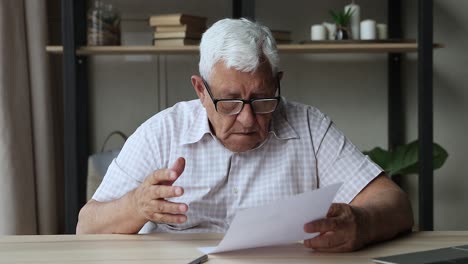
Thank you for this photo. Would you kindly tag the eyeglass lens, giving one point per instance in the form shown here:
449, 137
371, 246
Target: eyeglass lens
261, 106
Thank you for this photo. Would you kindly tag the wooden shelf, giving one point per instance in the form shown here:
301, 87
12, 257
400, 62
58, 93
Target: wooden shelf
367, 47
332, 47
126, 50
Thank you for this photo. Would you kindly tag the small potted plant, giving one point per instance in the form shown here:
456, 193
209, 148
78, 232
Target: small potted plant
342, 19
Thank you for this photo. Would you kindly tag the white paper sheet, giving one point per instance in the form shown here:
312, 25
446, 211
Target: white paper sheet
281, 222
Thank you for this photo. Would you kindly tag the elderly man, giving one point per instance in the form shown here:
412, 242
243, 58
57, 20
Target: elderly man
191, 167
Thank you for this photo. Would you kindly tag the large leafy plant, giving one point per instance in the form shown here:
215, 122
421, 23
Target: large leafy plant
405, 159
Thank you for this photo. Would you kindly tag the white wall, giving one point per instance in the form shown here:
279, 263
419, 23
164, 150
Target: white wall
348, 87
450, 109
124, 89
340, 85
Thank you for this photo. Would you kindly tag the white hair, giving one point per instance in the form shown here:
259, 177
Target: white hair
241, 44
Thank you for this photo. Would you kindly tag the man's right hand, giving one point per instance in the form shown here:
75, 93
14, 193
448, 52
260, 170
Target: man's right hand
149, 197
128, 214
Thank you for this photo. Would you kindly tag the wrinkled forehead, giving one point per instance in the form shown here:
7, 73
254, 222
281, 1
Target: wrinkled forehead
222, 71
227, 82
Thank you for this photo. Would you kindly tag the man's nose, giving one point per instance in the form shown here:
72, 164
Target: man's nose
246, 117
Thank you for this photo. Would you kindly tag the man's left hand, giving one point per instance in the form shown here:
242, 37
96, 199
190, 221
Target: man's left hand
343, 230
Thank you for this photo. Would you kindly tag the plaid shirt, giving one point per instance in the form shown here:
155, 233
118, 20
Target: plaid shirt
303, 151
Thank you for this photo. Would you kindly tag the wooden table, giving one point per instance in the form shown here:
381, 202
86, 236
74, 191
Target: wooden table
170, 248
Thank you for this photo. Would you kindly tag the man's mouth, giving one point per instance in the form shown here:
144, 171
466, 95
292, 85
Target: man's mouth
246, 133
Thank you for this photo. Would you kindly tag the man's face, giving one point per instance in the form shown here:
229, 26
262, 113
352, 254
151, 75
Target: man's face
245, 130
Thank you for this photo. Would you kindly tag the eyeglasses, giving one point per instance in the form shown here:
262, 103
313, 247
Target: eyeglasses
235, 106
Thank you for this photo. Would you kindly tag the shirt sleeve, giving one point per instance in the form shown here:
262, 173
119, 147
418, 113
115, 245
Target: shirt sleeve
338, 160
135, 162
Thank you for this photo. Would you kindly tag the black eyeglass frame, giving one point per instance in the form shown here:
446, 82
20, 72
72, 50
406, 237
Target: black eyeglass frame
244, 102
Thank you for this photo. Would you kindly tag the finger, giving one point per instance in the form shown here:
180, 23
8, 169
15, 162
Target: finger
336, 209
343, 247
163, 191
169, 218
166, 207
326, 241
332, 211
161, 176
178, 166
321, 225
175, 171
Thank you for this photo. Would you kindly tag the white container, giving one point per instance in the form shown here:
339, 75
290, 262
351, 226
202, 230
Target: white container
355, 19
368, 29
382, 31
331, 30
318, 32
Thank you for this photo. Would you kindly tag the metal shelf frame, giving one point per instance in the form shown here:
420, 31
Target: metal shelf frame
75, 110
76, 116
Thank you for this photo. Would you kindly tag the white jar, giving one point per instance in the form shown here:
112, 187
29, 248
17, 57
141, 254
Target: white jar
318, 32
368, 30
382, 31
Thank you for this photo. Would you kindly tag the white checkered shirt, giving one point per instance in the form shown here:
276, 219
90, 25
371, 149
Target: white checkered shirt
304, 151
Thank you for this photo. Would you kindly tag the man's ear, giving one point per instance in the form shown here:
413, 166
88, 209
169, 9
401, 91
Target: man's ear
198, 86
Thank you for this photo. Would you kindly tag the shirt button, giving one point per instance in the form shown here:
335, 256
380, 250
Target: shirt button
235, 190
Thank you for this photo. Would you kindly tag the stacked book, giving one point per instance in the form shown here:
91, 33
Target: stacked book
177, 29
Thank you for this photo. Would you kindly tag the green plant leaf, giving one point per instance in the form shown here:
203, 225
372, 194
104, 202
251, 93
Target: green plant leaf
334, 16
342, 17
405, 159
439, 156
349, 13
347, 16
379, 156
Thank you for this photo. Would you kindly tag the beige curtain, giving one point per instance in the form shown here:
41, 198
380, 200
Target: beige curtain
28, 193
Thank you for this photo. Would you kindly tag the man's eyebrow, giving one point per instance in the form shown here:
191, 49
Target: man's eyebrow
233, 92
231, 95
259, 91
264, 91
262, 94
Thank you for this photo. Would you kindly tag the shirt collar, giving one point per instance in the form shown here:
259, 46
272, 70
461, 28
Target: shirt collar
279, 126
198, 129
